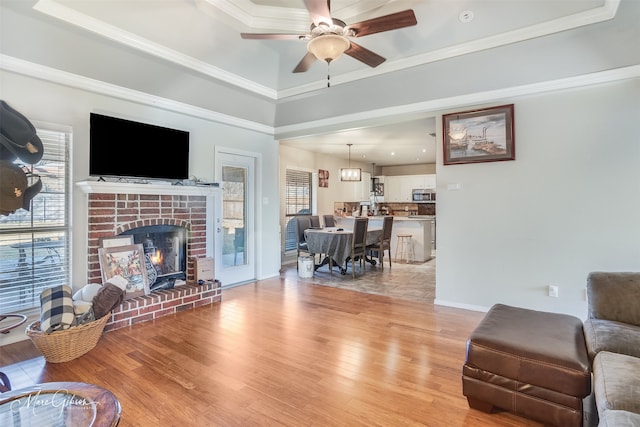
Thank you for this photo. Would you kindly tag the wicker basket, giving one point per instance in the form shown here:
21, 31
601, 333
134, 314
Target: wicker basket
63, 346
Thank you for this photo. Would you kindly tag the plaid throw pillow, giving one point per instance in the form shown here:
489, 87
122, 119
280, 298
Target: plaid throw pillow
56, 309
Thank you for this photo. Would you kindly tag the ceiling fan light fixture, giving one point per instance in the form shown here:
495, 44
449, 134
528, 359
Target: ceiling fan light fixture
328, 47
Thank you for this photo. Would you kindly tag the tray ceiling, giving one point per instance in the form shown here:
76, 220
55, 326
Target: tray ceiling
204, 35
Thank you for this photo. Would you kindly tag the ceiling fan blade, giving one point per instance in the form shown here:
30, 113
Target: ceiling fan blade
272, 36
364, 55
384, 23
306, 62
319, 11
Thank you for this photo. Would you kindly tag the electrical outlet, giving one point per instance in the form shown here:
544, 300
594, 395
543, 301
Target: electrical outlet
553, 291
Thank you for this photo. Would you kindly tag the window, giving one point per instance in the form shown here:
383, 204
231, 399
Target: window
34, 243
297, 202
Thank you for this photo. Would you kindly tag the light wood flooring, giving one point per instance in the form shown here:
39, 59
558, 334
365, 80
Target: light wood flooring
284, 352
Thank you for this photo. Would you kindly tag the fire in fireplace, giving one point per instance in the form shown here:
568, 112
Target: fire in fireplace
165, 247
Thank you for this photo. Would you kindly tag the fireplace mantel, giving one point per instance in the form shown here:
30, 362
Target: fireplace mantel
105, 187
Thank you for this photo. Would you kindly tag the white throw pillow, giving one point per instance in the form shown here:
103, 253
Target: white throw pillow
81, 307
90, 291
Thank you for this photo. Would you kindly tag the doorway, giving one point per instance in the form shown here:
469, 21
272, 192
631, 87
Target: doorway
236, 175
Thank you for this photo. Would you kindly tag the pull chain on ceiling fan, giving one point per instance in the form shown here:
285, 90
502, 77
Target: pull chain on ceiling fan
329, 37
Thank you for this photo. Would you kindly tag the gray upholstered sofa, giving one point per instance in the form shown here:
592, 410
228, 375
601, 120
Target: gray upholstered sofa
612, 335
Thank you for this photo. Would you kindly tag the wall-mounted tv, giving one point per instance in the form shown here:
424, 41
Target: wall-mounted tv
125, 148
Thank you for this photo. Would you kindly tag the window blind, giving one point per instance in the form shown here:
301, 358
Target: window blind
34, 243
297, 202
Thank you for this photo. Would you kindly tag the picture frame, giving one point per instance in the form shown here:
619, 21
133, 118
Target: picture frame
110, 242
129, 262
323, 178
474, 136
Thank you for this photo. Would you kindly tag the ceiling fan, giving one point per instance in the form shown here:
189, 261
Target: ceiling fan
330, 37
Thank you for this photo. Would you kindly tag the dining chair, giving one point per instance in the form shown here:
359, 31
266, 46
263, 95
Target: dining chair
384, 244
329, 220
302, 223
358, 243
315, 221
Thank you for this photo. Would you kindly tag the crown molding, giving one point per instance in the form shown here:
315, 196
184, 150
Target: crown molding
429, 108
377, 117
244, 11
64, 13
30, 69
285, 18
252, 15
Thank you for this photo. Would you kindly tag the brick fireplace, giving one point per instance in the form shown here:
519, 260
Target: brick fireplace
114, 208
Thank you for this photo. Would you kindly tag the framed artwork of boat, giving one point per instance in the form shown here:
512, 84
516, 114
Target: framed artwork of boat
476, 136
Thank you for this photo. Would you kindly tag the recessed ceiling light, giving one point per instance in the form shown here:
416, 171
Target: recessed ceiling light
393, 153
465, 16
424, 150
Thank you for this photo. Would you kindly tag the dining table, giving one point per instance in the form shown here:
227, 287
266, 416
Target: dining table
335, 244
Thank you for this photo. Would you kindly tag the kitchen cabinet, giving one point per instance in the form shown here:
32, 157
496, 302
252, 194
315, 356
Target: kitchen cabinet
430, 181
392, 189
359, 191
398, 189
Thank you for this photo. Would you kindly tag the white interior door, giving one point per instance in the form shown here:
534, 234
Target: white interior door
236, 175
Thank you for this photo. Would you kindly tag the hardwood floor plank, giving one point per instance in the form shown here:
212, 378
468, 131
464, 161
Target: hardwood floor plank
283, 352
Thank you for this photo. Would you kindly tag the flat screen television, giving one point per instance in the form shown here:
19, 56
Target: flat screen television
125, 148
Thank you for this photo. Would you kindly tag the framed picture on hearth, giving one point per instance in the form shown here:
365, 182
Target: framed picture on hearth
126, 261
475, 136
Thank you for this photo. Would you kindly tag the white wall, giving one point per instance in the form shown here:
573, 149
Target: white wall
569, 204
54, 103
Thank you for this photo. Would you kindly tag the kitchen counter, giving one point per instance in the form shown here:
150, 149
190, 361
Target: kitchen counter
420, 228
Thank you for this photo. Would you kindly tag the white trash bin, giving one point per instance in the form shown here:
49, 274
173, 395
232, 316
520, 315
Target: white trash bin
305, 266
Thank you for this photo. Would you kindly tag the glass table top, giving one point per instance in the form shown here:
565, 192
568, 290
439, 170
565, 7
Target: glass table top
59, 404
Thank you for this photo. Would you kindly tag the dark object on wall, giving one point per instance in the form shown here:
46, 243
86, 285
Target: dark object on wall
124, 148
18, 138
17, 188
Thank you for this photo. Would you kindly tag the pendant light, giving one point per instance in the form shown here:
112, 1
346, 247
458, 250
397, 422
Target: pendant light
350, 174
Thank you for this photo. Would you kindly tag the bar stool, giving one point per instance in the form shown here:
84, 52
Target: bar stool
405, 245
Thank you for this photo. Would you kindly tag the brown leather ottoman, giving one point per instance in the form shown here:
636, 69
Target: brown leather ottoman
528, 362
